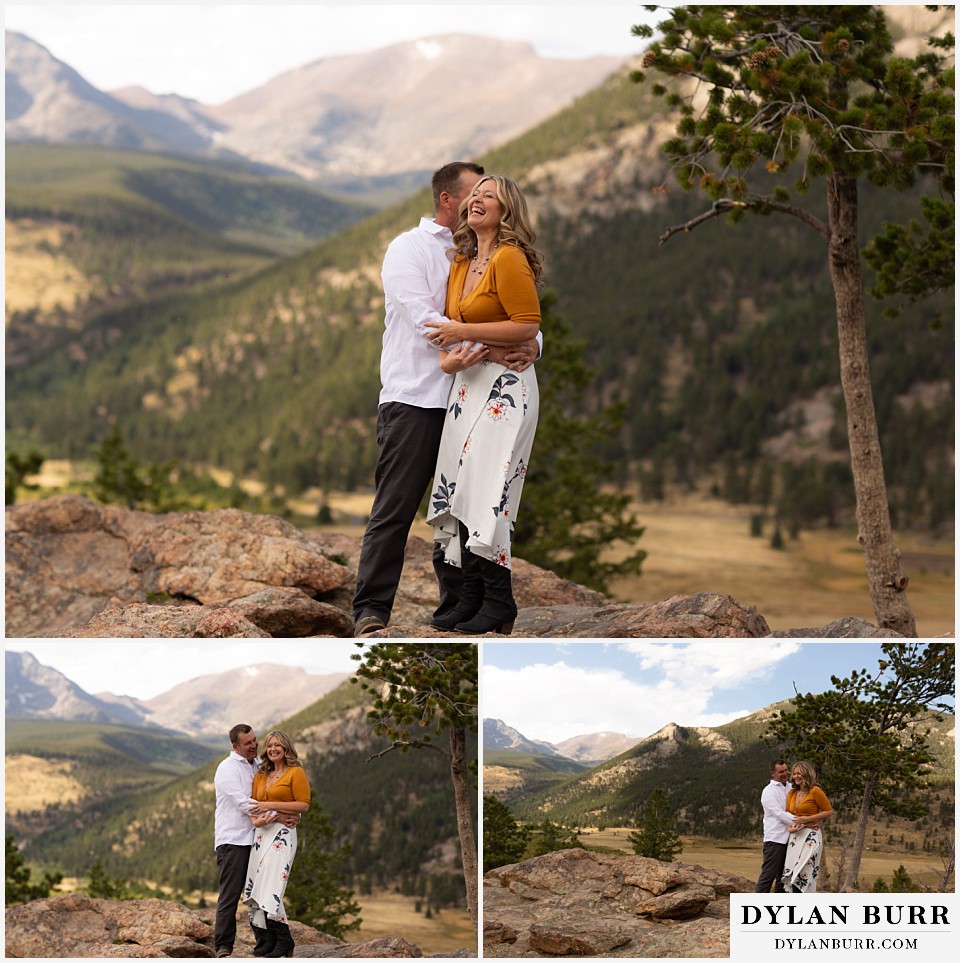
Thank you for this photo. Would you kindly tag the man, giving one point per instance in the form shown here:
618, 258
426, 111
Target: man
233, 833
413, 400
776, 835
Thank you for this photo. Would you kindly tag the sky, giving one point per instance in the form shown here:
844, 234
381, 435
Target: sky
145, 668
554, 692
213, 52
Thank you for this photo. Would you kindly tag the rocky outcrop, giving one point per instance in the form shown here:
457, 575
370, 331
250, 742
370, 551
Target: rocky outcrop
580, 903
78, 926
77, 569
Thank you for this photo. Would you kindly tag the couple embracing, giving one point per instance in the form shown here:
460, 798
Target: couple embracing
260, 800
794, 809
459, 401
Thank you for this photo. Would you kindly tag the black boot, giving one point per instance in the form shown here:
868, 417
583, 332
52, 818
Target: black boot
284, 944
499, 611
471, 590
266, 940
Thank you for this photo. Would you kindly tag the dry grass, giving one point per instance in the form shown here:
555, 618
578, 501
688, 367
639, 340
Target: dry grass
697, 544
37, 275
744, 858
31, 784
390, 914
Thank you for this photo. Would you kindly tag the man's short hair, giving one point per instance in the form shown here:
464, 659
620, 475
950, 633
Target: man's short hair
237, 730
777, 762
447, 178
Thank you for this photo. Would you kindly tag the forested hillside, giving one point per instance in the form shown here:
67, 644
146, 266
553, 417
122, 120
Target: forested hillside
722, 346
712, 779
396, 813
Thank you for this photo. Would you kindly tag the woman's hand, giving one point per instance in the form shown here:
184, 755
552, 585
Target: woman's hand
463, 356
446, 333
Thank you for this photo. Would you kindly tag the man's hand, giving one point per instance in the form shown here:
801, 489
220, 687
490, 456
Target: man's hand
518, 357
444, 334
463, 356
290, 820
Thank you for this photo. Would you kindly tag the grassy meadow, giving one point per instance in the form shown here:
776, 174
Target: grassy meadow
744, 858
697, 544
390, 914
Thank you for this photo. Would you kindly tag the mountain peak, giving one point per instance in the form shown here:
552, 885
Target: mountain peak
393, 111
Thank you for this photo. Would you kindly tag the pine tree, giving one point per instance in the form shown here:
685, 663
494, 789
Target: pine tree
550, 837
122, 478
17, 469
570, 517
19, 889
102, 886
315, 894
504, 840
656, 834
902, 882
421, 691
866, 735
816, 88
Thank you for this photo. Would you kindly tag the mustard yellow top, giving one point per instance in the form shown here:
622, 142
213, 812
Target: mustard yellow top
506, 292
814, 802
292, 786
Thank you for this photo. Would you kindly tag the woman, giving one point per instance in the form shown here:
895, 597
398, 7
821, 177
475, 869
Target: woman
809, 808
492, 414
280, 786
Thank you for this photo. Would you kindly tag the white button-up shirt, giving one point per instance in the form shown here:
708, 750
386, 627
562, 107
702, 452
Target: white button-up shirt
414, 274
234, 784
775, 815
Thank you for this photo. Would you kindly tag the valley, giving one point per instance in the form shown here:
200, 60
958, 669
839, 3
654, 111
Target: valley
744, 858
698, 543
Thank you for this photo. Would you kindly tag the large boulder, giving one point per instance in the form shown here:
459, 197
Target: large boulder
70, 560
579, 903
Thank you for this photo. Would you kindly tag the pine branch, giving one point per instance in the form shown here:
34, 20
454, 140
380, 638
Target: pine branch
726, 205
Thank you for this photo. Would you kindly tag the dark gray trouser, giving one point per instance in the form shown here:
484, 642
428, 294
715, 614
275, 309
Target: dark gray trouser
408, 439
232, 862
771, 871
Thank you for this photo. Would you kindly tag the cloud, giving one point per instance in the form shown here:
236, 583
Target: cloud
713, 664
671, 682
556, 701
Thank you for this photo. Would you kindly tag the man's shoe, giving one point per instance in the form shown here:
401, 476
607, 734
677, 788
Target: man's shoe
223, 951
367, 626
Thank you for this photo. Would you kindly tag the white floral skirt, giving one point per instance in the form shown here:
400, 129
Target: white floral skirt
803, 861
484, 452
268, 871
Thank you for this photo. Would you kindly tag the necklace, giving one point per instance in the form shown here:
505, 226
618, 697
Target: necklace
481, 267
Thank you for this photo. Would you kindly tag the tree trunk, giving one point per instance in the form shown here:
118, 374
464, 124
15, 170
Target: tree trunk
850, 881
882, 558
462, 798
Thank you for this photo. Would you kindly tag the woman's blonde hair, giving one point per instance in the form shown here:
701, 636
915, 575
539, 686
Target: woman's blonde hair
809, 774
289, 753
514, 227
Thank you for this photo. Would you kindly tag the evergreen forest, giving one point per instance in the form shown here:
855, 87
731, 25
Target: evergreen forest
146, 819
208, 348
